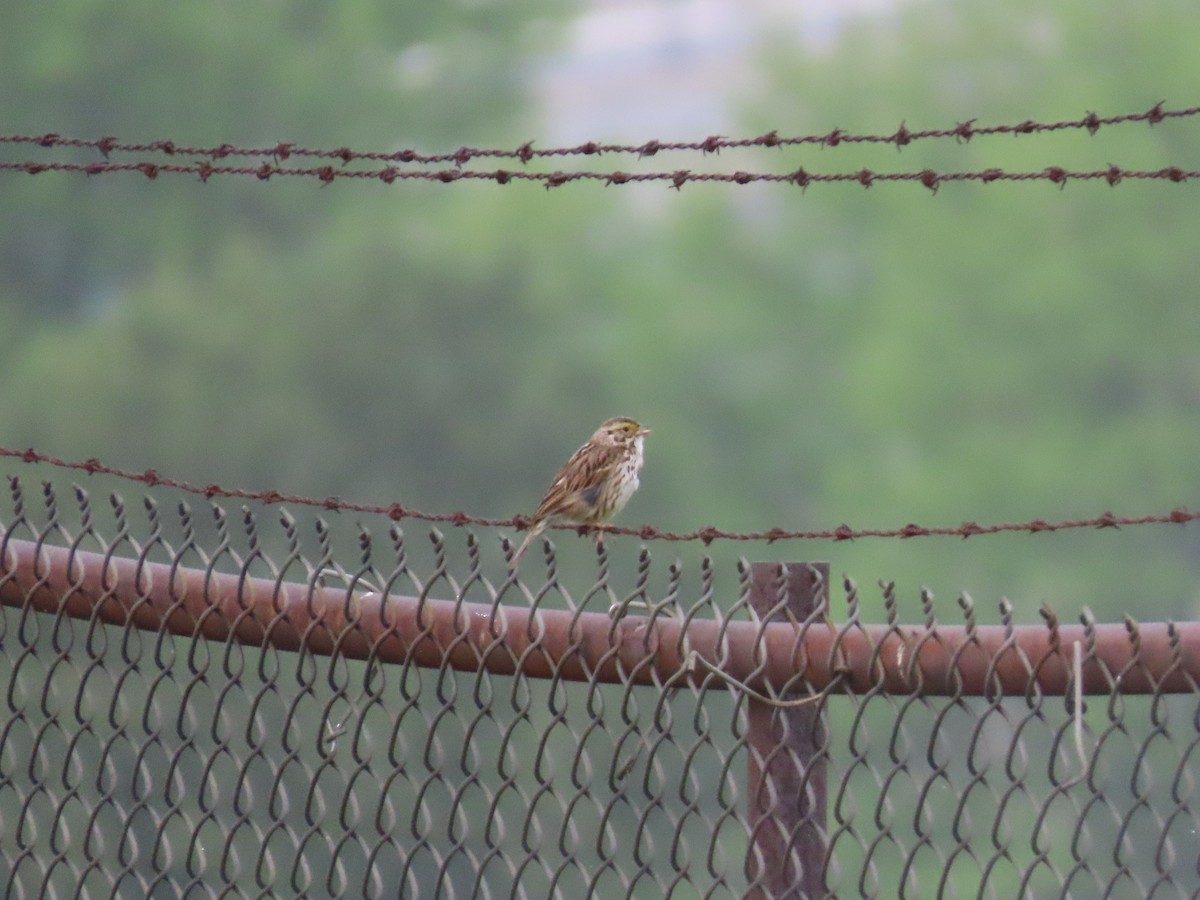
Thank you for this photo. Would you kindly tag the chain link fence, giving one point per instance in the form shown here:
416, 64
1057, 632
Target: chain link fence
199, 704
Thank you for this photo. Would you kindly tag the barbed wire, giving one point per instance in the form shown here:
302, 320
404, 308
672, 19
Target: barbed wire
706, 534
801, 178
961, 131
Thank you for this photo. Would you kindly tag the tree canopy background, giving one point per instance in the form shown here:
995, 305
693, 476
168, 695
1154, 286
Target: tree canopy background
871, 357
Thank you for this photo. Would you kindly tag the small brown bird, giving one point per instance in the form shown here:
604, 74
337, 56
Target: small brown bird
596, 482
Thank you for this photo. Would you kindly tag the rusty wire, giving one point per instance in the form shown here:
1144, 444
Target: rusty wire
1111, 175
707, 534
194, 709
168, 159
525, 153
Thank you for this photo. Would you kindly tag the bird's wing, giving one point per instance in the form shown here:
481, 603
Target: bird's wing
579, 483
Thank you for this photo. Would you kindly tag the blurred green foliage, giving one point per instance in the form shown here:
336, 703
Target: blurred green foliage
878, 357
870, 357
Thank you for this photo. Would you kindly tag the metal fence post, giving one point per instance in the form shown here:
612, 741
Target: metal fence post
786, 797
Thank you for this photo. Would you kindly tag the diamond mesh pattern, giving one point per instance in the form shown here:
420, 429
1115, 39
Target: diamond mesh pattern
183, 760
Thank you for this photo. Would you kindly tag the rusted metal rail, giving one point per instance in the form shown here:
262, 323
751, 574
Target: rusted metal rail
576, 645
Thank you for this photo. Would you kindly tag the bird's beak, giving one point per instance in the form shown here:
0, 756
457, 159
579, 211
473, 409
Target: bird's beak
642, 432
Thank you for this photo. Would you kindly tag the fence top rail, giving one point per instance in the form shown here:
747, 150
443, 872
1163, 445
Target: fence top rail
576, 645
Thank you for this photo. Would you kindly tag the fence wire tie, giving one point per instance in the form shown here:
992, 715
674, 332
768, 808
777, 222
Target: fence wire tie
693, 661
333, 732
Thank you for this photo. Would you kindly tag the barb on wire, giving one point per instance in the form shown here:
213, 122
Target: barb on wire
801, 178
903, 136
707, 534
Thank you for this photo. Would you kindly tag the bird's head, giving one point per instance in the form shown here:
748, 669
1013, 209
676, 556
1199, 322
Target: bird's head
620, 430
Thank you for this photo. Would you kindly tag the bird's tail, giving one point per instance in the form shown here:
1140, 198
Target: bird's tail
536, 529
